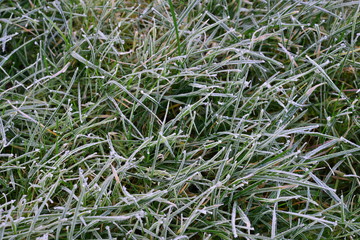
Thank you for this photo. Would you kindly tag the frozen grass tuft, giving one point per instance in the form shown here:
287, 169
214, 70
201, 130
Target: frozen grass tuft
179, 119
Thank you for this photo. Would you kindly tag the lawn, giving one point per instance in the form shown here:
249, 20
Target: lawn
174, 119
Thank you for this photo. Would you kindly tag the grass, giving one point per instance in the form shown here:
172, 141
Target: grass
179, 119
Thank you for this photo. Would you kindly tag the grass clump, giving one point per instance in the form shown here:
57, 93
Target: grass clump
179, 119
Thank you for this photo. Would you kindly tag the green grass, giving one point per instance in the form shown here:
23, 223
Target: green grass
179, 119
